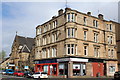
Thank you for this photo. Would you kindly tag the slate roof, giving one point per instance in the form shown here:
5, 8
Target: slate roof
22, 41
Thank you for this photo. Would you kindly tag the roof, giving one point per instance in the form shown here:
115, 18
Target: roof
77, 12
4, 60
26, 42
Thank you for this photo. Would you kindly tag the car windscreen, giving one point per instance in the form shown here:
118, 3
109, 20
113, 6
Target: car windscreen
10, 70
19, 71
43, 73
37, 73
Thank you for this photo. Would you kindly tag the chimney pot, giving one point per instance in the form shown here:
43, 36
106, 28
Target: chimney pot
60, 12
89, 13
100, 16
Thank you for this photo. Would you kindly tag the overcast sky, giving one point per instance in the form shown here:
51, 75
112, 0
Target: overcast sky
23, 17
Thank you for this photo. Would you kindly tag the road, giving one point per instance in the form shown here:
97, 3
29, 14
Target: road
9, 77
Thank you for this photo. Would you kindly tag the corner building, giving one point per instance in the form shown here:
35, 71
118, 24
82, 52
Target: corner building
76, 44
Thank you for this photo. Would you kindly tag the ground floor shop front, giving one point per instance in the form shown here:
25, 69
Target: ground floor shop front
72, 67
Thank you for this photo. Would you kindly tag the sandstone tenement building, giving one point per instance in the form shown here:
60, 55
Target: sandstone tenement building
76, 44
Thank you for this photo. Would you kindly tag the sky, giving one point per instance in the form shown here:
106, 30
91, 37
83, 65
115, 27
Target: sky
23, 17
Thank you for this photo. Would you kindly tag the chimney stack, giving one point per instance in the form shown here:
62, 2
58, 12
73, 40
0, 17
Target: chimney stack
89, 13
100, 16
60, 12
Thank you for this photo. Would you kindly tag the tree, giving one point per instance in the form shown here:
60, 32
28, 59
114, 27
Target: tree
2, 55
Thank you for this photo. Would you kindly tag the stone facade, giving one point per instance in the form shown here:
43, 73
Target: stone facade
75, 35
118, 42
20, 52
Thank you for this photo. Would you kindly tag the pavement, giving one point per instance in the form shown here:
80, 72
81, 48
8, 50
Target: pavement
10, 77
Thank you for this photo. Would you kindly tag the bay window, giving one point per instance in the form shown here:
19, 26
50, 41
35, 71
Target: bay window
70, 49
95, 37
95, 23
71, 17
70, 33
44, 53
54, 52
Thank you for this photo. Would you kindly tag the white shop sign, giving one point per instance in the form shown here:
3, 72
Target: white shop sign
72, 59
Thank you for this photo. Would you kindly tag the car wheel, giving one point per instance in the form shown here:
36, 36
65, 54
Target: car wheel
39, 78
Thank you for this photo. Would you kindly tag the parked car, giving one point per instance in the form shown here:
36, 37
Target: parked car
9, 71
18, 73
40, 75
3, 72
117, 75
28, 74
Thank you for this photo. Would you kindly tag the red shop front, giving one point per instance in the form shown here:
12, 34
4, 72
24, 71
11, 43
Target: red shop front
50, 68
98, 69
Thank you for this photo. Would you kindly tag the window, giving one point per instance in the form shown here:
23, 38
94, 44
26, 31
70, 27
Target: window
111, 69
79, 69
95, 37
85, 20
61, 69
85, 50
55, 24
95, 23
110, 39
96, 52
107, 26
44, 53
52, 37
68, 17
70, 48
109, 53
48, 53
53, 52
71, 17
71, 32
72, 20
38, 31
85, 35
45, 28
44, 40
112, 53
110, 27
49, 38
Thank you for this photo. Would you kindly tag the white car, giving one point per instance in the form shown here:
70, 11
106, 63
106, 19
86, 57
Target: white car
40, 75
3, 72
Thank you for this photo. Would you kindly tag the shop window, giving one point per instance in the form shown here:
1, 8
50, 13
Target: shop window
79, 69
46, 68
76, 69
111, 69
61, 69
